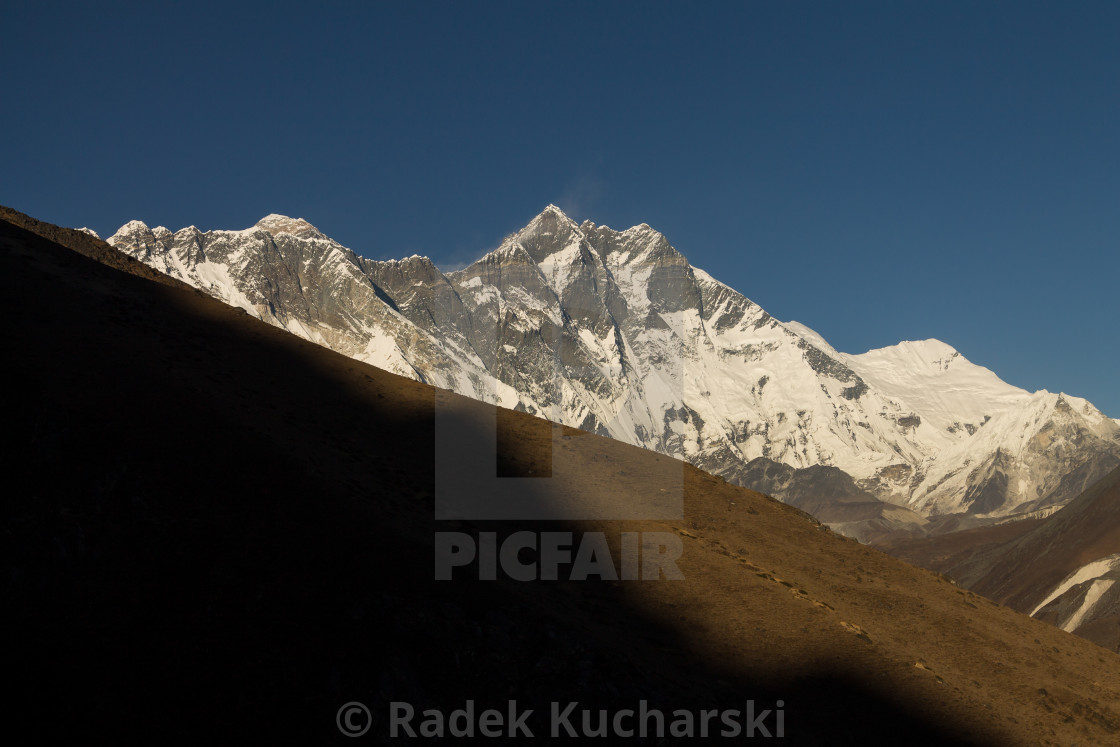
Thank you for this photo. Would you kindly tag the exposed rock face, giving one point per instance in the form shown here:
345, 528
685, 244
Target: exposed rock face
285, 272
833, 497
616, 333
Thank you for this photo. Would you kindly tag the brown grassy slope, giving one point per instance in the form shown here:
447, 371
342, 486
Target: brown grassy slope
1084, 530
1018, 564
941, 552
219, 528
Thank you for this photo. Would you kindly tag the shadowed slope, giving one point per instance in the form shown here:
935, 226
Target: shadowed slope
219, 529
1021, 564
1085, 530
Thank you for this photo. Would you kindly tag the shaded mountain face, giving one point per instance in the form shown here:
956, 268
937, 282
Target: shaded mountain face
1061, 568
213, 525
833, 497
615, 332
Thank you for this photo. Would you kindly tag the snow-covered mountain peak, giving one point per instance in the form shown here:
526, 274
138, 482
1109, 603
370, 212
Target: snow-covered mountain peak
933, 377
1082, 407
277, 224
550, 208
927, 358
132, 228
553, 241
89, 232
551, 238
548, 222
931, 353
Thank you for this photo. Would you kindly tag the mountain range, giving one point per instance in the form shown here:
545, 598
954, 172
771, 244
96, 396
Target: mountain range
616, 333
212, 526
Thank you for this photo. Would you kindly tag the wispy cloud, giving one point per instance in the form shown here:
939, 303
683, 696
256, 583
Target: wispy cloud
581, 195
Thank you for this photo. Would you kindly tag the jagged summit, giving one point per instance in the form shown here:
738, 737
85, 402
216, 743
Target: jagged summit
411, 259
551, 216
274, 224
548, 220
133, 226
277, 224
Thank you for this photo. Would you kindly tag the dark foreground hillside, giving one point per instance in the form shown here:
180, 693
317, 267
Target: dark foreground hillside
215, 530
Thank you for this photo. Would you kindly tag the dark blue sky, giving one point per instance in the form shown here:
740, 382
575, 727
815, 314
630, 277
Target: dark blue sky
878, 171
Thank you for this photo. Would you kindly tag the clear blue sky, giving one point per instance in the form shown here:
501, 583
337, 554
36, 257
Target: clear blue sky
878, 171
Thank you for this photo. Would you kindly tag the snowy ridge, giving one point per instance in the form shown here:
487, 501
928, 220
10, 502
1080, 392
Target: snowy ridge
615, 332
286, 273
